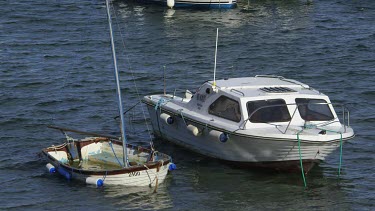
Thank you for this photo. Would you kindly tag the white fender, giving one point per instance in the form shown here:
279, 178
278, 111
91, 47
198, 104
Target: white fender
220, 136
94, 181
51, 168
167, 118
170, 3
193, 130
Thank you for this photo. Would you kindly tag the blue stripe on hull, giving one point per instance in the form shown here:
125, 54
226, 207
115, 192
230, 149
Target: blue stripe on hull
208, 6
192, 4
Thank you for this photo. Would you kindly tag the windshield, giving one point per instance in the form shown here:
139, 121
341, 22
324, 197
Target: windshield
314, 109
226, 108
269, 111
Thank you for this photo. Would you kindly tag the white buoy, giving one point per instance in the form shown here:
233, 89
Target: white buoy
94, 181
51, 168
167, 118
193, 130
170, 3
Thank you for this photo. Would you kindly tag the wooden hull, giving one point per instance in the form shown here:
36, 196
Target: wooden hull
92, 159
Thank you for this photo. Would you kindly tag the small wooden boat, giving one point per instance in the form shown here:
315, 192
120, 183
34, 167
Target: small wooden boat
98, 161
108, 160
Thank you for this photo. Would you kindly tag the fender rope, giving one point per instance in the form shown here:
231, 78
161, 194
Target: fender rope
182, 115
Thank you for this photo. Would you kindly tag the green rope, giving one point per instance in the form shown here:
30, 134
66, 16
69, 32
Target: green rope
300, 158
182, 115
338, 176
340, 162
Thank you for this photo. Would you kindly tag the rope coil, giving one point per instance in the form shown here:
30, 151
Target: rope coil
161, 101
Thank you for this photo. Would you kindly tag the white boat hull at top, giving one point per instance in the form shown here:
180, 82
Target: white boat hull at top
214, 4
190, 122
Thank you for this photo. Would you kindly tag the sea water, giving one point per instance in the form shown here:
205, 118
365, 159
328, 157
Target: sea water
56, 68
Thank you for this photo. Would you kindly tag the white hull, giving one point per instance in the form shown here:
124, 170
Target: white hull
150, 177
240, 148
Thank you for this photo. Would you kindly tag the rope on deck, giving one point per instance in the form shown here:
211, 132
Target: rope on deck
162, 101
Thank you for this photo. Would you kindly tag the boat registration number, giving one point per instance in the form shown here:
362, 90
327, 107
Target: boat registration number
134, 174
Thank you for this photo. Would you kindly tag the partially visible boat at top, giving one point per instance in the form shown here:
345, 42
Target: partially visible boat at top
262, 121
108, 160
201, 4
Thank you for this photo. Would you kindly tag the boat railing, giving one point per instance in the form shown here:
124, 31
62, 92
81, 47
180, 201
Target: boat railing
284, 79
269, 76
183, 92
238, 92
344, 111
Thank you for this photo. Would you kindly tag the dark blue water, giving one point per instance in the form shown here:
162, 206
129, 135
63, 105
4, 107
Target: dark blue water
56, 68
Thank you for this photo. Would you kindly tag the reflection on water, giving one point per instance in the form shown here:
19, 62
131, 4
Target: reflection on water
169, 13
219, 185
143, 198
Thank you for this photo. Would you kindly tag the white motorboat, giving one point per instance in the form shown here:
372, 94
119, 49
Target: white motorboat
265, 121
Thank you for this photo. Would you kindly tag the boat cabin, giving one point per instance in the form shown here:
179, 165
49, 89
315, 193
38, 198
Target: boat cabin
262, 101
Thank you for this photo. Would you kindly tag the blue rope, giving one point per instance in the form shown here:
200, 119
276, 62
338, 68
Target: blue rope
110, 144
161, 102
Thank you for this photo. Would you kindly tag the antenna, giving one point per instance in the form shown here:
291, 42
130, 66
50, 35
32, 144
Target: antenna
217, 37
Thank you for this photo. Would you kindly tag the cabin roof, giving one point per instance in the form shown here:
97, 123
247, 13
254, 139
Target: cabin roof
262, 86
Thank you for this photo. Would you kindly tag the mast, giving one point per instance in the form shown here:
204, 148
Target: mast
121, 110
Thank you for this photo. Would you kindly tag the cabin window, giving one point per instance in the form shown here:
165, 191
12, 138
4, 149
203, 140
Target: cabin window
314, 109
265, 111
226, 108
